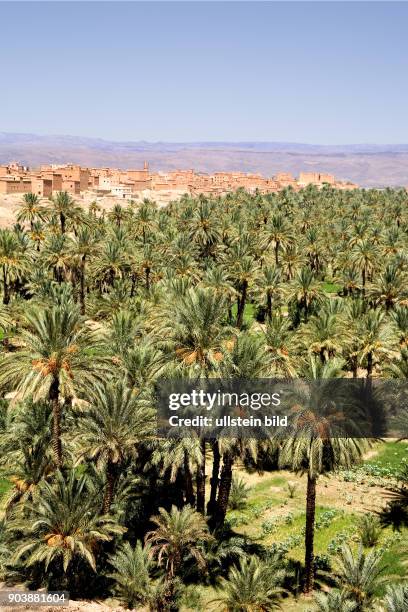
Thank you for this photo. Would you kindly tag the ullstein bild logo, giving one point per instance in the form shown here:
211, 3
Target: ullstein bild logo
272, 407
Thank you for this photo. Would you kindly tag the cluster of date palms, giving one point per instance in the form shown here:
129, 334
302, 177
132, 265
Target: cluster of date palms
97, 306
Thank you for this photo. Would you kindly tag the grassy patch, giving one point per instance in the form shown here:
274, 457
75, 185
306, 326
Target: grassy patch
389, 455
249, 312
330, 287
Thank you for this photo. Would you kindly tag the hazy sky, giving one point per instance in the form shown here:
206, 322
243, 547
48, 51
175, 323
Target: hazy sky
302, 72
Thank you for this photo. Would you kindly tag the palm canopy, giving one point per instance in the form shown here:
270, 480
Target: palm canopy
63, 524
176, 534
316, 441
54, 346
196, 329
254, 586
113, 423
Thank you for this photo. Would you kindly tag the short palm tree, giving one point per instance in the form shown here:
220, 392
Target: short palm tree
132, 568
62, 525
334, 601
177, 534
360, 574
396, 598
254, 586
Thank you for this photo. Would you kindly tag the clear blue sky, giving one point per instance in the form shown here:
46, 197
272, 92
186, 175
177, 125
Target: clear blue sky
303, 72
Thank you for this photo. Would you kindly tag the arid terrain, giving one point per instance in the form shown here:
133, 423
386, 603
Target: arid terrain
366, 165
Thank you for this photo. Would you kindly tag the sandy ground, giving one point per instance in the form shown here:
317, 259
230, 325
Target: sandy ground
9, 203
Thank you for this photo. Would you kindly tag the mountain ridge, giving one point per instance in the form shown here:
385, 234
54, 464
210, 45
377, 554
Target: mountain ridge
369, 165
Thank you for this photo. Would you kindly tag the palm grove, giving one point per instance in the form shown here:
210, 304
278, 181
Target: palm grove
98, 306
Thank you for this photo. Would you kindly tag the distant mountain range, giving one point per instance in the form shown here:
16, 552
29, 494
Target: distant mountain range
368, 165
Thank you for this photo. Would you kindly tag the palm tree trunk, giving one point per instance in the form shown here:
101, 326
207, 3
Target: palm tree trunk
6, 293
277, 252
109, 488
309, 534
188, 482
56, 422
223, 489
268, 305
82, 286
62, 221
241, 305
200, 481
369, 365
214, 480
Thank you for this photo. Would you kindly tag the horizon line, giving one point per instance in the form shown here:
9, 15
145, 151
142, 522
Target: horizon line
211, 141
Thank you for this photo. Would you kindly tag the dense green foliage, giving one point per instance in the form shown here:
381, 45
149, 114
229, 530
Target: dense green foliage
98, 305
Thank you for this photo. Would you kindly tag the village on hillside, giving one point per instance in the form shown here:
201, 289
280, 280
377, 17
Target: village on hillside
128, 184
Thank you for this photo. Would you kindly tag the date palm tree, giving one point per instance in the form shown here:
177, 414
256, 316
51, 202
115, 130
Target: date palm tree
361, 574
12, 261
313, 445
54, 360
175, 535
132, 575
334, 601
194, 325
63, 206
375, 338
83, 247
364, 257
396, 598
252, 586
30, 210
389, 288
111, 426
270, 289
62, 525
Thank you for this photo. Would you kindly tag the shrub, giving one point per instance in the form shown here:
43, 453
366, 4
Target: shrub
239, 494
369, 530
292, 487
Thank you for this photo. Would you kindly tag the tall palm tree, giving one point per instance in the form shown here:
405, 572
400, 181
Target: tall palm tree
82, 247
389, 288
313, 446
364, 258
304, 295
111, 427
280, 342
12, 261
270, 288
279, 234
65, 208
194, 325
375, 338
54, 360
30, 210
